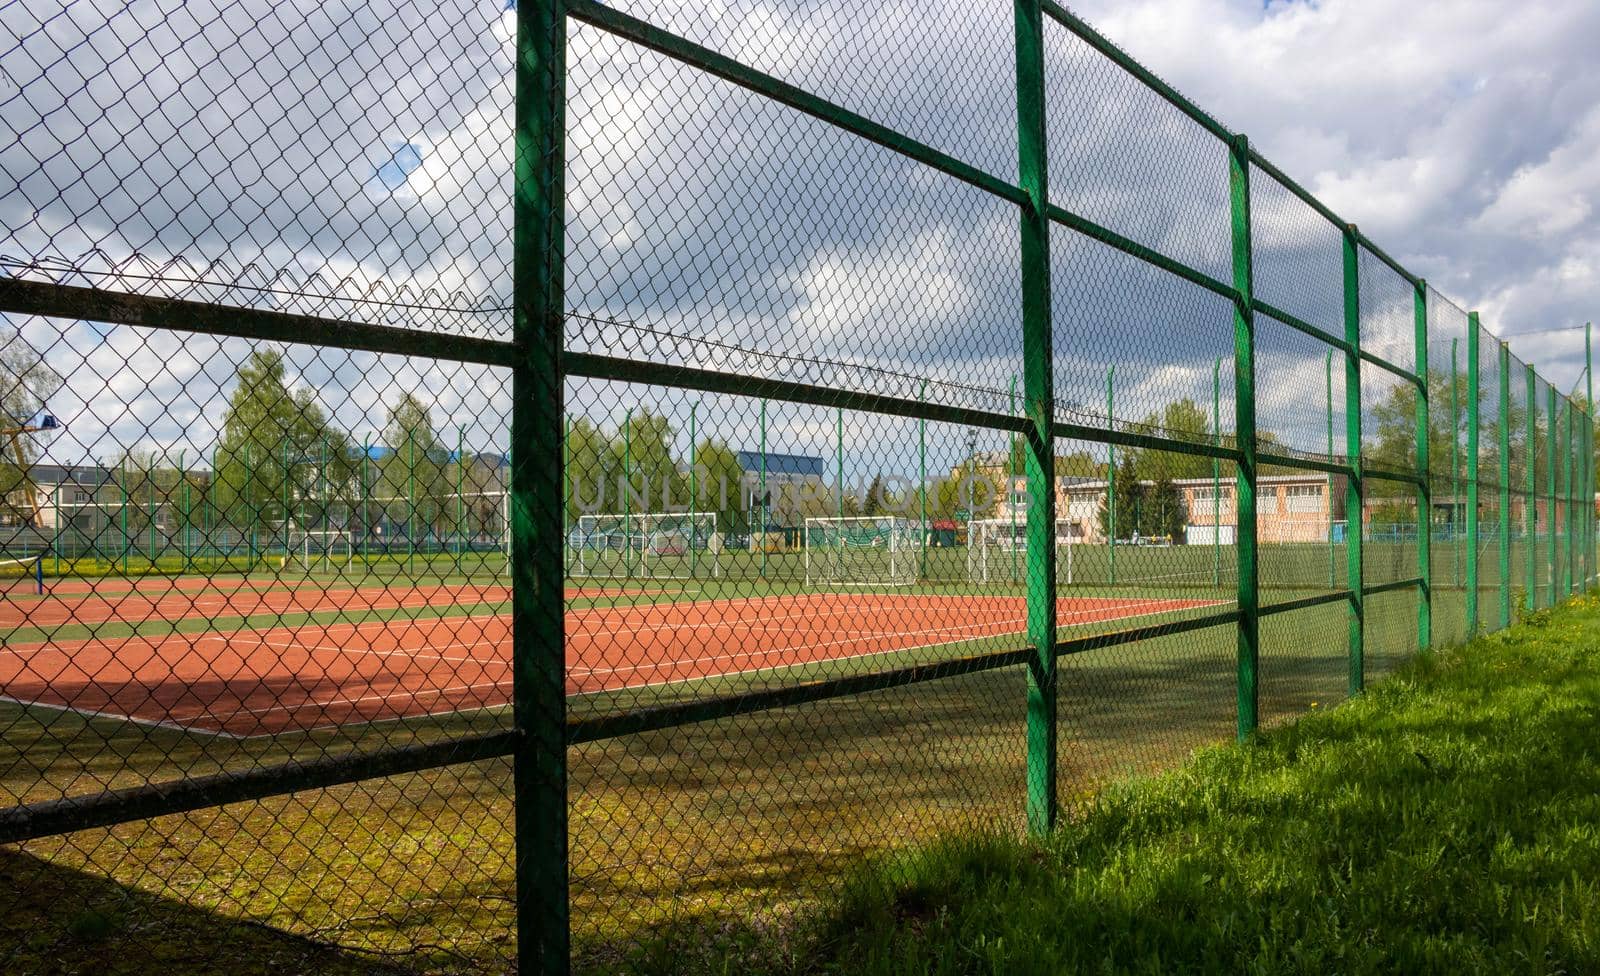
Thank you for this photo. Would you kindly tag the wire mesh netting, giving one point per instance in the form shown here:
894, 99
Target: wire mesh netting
514, 484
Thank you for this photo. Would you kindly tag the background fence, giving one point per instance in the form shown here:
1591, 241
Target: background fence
515, 481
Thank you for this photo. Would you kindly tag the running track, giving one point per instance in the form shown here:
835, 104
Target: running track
295, 678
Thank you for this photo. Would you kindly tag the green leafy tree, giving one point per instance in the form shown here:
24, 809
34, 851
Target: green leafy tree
275, 442
877, 500
647, 472
719, 485
413, 475
26, 383
1180, 420
1129, 501
591, 472
1162, 514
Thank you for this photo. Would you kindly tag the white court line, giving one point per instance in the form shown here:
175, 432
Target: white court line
324, 704
174, 721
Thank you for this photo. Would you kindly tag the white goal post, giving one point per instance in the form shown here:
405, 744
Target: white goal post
653, 545
863, 550
997, 550
320, 548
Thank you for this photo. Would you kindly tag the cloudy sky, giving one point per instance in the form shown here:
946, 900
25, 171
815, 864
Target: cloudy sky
315, 156
1463, 135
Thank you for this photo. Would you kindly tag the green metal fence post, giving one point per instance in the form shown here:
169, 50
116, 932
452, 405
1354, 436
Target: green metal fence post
627, 490
1474, 398
1567, 494
1552, 550
922, 482
838, 461
1328, 376
183, 513
1505, 485
1039, 391
1111, 476
1248, 649
461, 491
694, 488
1355, 491
1588, 455
1530, 515
1011, 487
366, 508
251, 512
538, 645
411, 506
1455, 465
762, 539
1216, 473
127, 538
1424, 469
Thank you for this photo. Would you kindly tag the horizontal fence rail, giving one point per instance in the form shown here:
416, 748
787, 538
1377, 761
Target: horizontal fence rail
597, 451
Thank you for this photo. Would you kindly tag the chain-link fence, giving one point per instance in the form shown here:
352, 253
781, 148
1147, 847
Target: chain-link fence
505, 484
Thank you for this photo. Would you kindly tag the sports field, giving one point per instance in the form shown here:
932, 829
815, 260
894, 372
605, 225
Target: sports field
233, 656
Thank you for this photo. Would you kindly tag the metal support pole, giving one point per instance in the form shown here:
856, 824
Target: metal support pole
1355, 490
1216, 473
1568, 496
1011, 477
1455, 465
1248, 650
1552, 419
183, 514
1530, 514
1424, 469
1111, 475
1039, 391
411, 505
1328, 375
694, 488
461, 491
762, 540
538, 656
922, 482
1474, 400
627, 493
1588, 454
1505, 485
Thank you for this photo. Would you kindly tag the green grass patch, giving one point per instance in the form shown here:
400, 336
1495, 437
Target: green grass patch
1447, 821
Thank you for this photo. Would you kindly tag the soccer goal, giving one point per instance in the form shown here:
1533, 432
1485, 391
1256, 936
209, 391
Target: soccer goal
864, 550
321, 549
649, 545
997, 550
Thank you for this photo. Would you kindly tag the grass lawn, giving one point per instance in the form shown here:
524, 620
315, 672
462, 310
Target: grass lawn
1448, 821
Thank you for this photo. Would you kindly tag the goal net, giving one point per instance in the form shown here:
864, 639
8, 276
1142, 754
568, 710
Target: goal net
653, 545
997, 550
862, 550
320, 549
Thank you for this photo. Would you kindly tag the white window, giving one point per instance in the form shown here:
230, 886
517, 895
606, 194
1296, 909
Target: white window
1304, 498
80, 497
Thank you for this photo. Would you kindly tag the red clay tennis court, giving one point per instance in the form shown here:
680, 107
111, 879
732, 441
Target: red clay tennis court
260, 682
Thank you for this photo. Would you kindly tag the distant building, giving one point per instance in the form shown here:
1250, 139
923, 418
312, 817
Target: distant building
795, 486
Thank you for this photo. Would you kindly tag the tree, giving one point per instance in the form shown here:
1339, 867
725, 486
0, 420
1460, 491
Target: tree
719, 485
413, 474
877, 499
1180, 420
26, 383
1129, 501
1162, 515
276, 446
591, 480
646, 471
